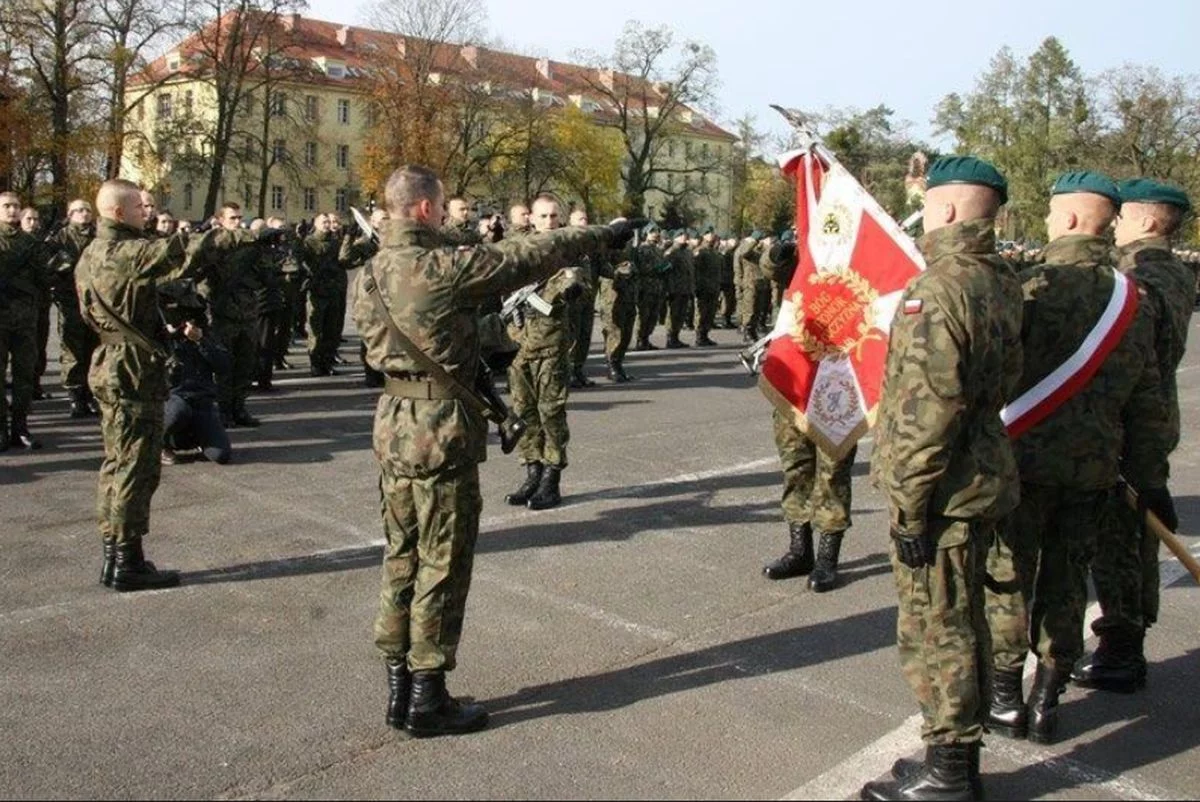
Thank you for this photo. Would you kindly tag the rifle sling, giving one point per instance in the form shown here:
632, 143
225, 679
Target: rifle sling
126, 330
436, 373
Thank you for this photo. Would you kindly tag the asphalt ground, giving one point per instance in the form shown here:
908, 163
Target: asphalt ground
625, 644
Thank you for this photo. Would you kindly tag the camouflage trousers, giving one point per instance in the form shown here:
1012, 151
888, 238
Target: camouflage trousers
431, 524
325, 322
241, 341
585, 322
754, 303
1037, 572
649, 304
1125, 573
539, 387
942, 634
18, 344
729, 303
77, 341
619, 318
129, 474
677, 314
816, 488
706, 312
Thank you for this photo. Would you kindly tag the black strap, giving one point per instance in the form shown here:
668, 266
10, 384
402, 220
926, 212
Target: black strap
129, 333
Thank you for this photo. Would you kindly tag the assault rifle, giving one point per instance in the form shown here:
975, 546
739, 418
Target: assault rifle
511, 312
752, 355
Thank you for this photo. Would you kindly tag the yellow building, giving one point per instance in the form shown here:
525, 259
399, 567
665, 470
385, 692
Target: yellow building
304, 123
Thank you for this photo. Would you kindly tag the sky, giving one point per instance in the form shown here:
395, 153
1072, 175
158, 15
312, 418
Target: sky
853, 53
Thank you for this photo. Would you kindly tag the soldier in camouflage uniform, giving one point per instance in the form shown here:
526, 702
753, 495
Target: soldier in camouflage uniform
754, 288
23, 284
1069, 462
77, 341
459, 228
539, 377
1125, 569
585, 311
680, 286
323, 256
945, 464
429, 445
650, 268
271, 305
116, 280
728, 299
618, 310
31, 224
708, 263
292, 279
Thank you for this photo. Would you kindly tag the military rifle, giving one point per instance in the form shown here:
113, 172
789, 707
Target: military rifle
511, 311
364, 224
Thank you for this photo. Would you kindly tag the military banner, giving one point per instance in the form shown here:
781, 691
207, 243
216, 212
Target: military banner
825, 364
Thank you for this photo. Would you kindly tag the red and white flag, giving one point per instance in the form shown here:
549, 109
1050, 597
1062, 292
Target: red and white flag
825, 365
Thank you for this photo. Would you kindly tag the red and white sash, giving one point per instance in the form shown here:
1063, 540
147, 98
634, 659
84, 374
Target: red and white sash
1039, 401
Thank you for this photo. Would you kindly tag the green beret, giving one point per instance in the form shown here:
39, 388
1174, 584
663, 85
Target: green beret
966, 170
1087, 181
756, 235
1147, 190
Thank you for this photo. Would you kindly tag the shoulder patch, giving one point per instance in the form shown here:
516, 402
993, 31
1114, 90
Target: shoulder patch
913, 306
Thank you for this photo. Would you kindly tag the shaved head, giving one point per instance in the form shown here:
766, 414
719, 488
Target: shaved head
1138, 221
579, 218
121, 201
545, 213
958, 203
1079, 213
414, 192
518, 215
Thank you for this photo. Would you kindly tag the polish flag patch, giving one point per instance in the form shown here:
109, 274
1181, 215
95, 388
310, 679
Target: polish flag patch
913, 306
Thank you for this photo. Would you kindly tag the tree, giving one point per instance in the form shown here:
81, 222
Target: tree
651, 88
591, 162
1151, 122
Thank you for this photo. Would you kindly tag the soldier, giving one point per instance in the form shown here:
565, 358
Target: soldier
116, 279
619, 309
429, 445
31, 224
77, 341
167, 224
518, 221
271, 304
23, 284
362, 250
708, 266
650, 268
728, 298
539, 377
150, 210
680, 286
1125, 569
459, 227
322, 255
946, 467
585, 311
754, 288
1070, 455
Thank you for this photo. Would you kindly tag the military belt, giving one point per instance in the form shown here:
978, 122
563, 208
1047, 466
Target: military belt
407, 388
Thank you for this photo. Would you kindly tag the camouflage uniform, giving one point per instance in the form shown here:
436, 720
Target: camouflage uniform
120, 268
231, 285
728, 287
816, 488
429, 447
649, 267
584, 313
1125, 570
618, 310
754, 288
1069, 463
291, 281
23, 284
77, 341
708, 266
680, 287
324, 255
945, 463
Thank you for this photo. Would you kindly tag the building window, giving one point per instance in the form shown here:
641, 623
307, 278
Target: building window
310, 154
164, 199
340, 199
164, 106
279, 151
704, 150
187, 197
276, 198
670, 150
343, 113
187, 103
687, 150
310, 107
278, 104
343, 156
310, 199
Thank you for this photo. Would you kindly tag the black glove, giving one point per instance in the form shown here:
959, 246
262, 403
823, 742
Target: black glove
623, 230
270, 236
1158, 501
783, 252
354, 231
915, 551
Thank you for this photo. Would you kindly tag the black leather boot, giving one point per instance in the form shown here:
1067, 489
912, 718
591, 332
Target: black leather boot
673, 342
109, 564
547, 494
798, 560
579, 379
533, 477
1048, 683
432, 711
824, 575
950, 773
1117, 665
1007, 714
132, 571
79, 404
399, 683
242, 417
20, 434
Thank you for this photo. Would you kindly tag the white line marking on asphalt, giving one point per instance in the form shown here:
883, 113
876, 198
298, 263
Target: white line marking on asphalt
876, 758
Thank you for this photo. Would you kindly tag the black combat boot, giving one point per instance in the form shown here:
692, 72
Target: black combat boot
798, 560
20, 434
950, 773
622, 375
1048, 683
132, 571
5, 441
432, 711
533, 477
109, 564
399, 683
547, 494
824, 575
705, 341
1117, 665
242, 417
79, 403
749, 335
579, 379
1007, 714
673, 341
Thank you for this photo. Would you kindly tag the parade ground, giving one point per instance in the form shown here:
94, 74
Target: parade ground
625, 644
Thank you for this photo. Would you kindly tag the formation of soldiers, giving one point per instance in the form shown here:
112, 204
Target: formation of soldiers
977, 486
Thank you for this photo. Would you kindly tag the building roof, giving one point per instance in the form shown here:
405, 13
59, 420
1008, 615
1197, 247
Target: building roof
314, 45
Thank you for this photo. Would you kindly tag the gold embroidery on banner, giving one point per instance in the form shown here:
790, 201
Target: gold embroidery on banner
838, 301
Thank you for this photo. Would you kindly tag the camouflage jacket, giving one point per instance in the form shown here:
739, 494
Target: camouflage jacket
708, 263
953, 359
327, 259
23, 274
434, 293
745, 262
727, 273
232, 284
68, 244
461, 234
1079, 446
681, 278
123, 268
618, 282
544, 336
649, 266
1171, 291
